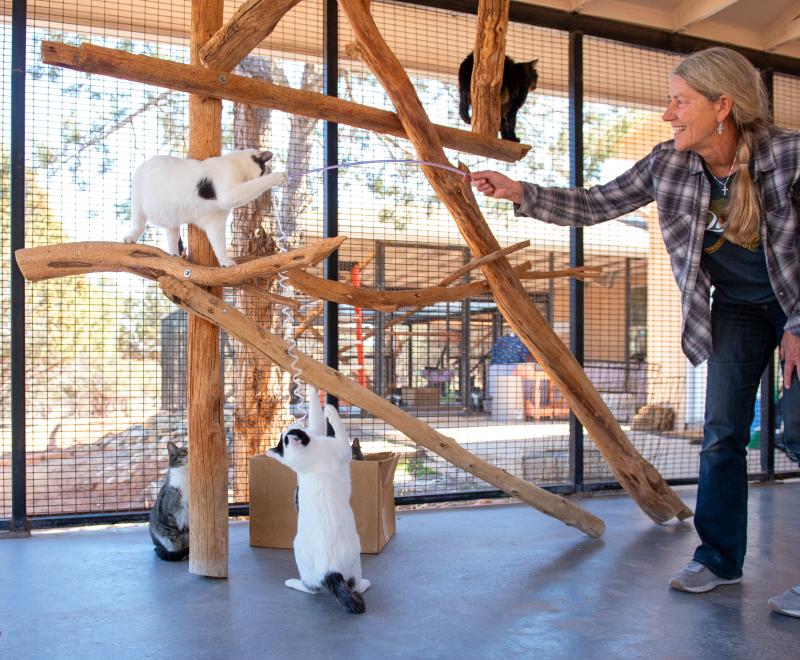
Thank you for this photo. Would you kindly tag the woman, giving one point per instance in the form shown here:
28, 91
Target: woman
728, 198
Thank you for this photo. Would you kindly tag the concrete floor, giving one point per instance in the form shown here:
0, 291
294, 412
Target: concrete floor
501, 581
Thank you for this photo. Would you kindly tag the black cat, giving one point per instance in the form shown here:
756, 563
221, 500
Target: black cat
519, 78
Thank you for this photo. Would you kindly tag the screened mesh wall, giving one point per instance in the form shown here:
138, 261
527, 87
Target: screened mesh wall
5, 271
106, 353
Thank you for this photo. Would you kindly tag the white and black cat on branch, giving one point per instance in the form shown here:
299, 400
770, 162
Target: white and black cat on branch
327, 548
519, 78
169, 192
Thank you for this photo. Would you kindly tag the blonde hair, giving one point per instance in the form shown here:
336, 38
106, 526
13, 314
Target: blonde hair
714, 72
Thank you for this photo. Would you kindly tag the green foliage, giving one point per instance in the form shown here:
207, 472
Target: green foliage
63, 316
415, 467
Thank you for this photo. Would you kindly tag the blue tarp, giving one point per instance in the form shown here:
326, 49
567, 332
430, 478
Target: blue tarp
508, 350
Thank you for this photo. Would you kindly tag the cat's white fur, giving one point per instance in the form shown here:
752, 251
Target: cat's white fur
177, 477
166, 192
327, 540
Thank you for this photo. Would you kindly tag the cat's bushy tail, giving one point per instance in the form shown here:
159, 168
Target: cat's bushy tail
171, 555
351, 600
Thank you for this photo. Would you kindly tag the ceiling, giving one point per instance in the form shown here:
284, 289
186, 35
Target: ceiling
765, 25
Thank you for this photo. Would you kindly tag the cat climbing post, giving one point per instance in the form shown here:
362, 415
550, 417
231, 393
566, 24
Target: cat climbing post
487, 72
208, 459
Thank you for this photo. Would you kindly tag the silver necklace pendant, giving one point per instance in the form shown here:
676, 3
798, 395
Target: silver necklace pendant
724, 183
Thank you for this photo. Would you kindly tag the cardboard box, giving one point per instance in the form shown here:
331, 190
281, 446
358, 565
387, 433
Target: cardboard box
273, 517
420, 396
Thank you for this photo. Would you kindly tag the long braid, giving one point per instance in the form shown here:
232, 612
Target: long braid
742, 216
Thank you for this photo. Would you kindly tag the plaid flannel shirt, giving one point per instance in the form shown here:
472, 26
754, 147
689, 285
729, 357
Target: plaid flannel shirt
675, 180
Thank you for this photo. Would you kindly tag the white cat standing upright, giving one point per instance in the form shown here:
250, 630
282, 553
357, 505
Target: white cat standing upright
327, 548
170, 192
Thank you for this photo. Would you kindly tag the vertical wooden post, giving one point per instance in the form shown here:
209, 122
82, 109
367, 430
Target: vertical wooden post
208, 464
487, 70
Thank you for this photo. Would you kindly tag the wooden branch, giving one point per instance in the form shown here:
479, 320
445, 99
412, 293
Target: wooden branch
208, 457
307, 321
253, 22
49, 261
487, 71
641, 480
273, 298
476, 263
223, 85
466, 268
579, 273
384, 301
235, 323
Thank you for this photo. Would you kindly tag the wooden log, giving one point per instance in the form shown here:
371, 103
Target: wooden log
578, 273
452, 277
487, 71
223, 85
252, 22
308, 321
208, 460
477, 263
210, 307
384, 301
49, 261
639, 478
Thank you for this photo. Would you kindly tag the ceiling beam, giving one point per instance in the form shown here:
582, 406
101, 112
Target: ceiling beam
624, 32
784, 30
690, 12
578, 5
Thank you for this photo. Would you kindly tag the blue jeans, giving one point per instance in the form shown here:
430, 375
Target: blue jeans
745, 337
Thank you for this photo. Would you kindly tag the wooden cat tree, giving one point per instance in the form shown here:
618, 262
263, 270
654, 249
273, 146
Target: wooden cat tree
196, 286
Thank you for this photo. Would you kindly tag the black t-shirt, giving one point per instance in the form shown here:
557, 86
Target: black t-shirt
738, 274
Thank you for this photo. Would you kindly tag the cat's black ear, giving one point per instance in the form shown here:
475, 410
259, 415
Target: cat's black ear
301, 435
172, 448
278, 449
264, 156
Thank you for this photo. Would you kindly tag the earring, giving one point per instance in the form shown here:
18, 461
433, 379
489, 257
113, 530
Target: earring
720, 128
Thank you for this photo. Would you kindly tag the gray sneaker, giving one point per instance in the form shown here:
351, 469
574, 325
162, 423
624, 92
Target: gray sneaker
787, 603
697, 578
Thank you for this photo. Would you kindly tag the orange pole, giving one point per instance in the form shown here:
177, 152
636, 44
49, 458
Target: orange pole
355, 278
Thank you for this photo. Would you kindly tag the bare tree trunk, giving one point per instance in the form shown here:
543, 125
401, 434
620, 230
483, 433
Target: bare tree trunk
260, 387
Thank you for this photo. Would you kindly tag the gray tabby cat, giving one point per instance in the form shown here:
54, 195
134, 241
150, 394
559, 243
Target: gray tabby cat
169, 517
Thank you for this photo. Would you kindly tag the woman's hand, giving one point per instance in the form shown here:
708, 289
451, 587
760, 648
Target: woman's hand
790, 354
496, 185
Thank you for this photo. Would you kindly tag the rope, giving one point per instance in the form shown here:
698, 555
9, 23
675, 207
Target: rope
374, 162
